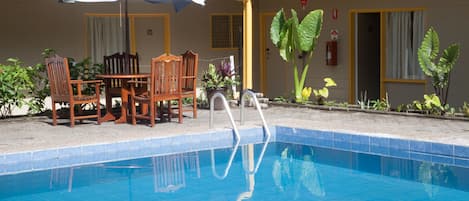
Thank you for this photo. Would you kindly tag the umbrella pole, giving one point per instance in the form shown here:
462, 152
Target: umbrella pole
127, 37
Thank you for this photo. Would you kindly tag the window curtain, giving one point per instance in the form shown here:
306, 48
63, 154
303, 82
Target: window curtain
105, 35
403, 37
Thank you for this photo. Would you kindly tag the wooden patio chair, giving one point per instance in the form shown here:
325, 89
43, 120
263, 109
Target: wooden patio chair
61, 90
119, 63
165, 85
190, 61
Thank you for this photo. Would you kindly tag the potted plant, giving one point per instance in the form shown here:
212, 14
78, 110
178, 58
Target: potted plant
218, 79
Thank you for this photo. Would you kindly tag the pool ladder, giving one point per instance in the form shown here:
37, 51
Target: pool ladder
236, 131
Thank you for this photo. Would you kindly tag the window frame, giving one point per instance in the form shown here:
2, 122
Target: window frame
233, 45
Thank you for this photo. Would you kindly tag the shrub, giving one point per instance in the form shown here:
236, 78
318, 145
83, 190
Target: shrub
15, 85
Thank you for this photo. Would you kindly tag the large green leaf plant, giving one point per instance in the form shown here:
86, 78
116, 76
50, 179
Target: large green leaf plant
296, 38
438, 69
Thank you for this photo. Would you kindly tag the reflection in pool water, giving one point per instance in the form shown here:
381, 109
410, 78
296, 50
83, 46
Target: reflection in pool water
287, 172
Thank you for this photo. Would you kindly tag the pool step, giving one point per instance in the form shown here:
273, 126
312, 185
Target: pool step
263, 102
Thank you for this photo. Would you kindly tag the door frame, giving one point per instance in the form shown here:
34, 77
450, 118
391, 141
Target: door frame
353, 49
262, 46
353, 84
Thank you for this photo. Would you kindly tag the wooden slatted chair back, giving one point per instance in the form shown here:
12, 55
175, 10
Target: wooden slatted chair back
190, 63
61, 91
120, 63
166, 76
58, 73
189, 71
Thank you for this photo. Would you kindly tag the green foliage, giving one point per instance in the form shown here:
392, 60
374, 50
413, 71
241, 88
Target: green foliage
403, 107
219, 78
41, 89
15, 85
28, 85
85, 70
438, 69
430, 105
381, 104
465, 109
280, 99
295, 38
322, 94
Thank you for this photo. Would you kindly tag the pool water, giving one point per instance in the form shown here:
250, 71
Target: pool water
287, 172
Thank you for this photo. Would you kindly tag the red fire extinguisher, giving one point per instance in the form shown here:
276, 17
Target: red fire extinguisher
331, 53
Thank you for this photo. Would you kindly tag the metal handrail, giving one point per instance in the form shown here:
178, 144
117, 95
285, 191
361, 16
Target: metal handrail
236, 132
266, 128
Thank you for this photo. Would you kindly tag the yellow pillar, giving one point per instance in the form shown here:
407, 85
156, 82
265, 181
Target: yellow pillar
247, 44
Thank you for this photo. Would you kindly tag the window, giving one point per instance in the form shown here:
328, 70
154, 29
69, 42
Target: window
226, 30
404, 34
105, 36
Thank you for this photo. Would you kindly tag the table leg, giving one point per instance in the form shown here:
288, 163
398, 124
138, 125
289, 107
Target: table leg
108, 116
125, 102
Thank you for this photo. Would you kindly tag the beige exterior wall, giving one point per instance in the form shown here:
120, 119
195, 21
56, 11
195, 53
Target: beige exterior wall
443, 15
29, 26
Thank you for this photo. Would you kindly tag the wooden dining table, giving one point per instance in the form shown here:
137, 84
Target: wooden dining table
125, 91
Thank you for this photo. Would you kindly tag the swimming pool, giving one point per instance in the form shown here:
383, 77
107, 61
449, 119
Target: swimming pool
301, 165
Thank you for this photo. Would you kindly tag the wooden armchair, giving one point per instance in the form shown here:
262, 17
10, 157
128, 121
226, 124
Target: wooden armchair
165, 85
118, 63
61, 90
190, 61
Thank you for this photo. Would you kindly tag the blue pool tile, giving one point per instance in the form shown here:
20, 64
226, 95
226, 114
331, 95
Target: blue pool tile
461, 151
379, 145
303, 132
400, 153
380, 150
18, 162
136, 148
281, 137
69, 156
342, 137
342, 141
399, 144
420, 146
298, 139
249, 136
2, 164
93, 153
283, 130
343, 145
200, 142
45, 159
360, 143
222, 139
442, 159
360, 147
326, 135
360, 139
461, 162
420, 156
164, 146
323, 143
379, 141
444, 149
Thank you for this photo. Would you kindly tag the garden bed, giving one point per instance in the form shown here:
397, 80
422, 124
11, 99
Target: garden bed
356, 108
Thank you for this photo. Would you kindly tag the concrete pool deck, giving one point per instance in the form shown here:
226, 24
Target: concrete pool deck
36, 133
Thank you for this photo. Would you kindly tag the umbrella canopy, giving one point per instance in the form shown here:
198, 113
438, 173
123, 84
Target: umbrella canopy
178, 4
